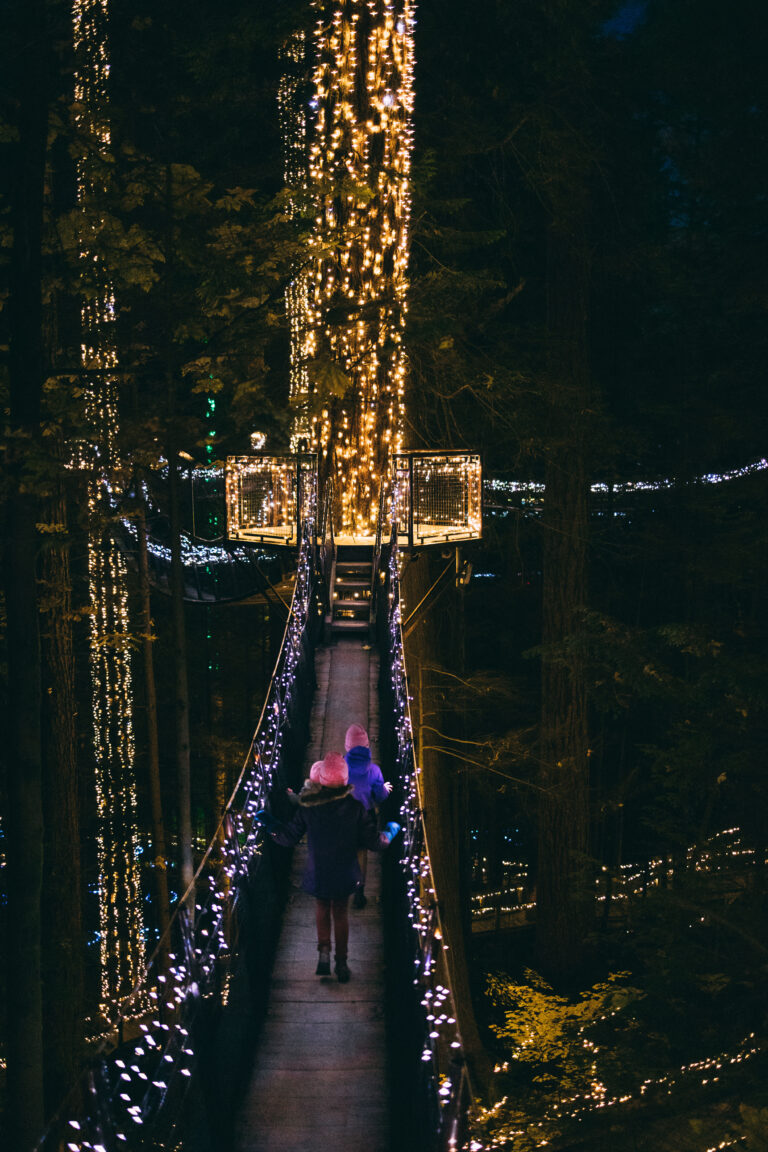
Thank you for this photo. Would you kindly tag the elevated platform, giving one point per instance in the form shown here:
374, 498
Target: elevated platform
320, 1077
437, 499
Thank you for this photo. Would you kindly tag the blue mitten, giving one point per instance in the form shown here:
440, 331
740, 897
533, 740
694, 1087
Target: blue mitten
267, 819
391, 831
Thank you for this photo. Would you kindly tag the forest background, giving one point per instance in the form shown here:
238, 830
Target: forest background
587, 308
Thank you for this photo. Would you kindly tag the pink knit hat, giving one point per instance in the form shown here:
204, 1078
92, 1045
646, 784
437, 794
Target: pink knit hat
356, 737
314, 772
332, 771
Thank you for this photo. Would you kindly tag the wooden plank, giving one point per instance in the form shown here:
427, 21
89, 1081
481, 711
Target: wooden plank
319, 1076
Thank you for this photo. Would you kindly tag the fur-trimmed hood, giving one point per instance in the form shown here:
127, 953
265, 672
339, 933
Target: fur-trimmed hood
314, 794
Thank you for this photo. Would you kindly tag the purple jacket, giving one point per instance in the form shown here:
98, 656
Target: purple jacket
336, 825
365, 777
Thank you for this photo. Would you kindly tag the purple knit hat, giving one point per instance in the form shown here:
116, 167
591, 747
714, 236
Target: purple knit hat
332, 771
356, 737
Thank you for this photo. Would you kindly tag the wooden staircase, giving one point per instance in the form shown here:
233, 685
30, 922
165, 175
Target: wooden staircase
351, 592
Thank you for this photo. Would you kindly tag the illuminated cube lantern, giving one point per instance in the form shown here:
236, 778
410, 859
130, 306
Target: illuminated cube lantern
438, 497
268, 497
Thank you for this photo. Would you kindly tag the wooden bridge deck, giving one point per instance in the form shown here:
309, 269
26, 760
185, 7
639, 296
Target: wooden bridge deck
319, 1080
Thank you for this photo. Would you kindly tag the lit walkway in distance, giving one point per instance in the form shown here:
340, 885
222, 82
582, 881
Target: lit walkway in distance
319, 1079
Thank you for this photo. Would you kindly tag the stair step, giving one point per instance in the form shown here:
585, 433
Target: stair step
353, 552
356, 611
347, 625
353, 566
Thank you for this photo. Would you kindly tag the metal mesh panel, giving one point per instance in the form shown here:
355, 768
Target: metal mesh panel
402, 491
438, 496
268, 495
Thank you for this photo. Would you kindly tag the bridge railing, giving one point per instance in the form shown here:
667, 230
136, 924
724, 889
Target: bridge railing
444, 1076
136, 1092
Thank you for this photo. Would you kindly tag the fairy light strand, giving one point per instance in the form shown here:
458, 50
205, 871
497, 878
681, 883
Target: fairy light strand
121, 926
442, 1050
348, 305
142, 1083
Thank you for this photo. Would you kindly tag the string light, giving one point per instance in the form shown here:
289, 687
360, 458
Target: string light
718, 854
120, 906
349, 153
268, 497
143, 1081
530, 492
442, 1048
438, 496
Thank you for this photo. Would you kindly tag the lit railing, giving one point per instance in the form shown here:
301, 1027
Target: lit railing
438, 497
269, 497
725, 853
136, 1093
442, 1050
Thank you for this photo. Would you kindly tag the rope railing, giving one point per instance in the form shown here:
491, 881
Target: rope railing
442, 1051
213, 573
374, 589
135, 1093
326, 548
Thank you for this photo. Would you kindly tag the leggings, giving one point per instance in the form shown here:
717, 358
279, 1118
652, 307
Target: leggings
323, 909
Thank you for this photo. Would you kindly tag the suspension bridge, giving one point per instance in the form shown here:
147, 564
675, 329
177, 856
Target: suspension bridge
230, 1040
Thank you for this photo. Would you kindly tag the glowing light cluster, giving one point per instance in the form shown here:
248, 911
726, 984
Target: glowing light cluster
142, 1083
439, 497
497, 487
720, 853
293, 126
268, 497
580, 1105
442, 1049
193, 555
347, 305
120, 906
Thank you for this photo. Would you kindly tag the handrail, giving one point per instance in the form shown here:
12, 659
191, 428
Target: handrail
133, 1097
442, 1049
327, 549
377, 555
207, 568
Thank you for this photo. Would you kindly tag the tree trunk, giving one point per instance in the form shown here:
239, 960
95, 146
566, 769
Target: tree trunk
63, 945
445, 814
24, 831
183, 770
160, 859
563, 900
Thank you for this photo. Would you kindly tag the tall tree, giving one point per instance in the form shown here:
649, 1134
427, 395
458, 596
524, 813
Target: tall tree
160, 862
62, 897
501, 344
31, 65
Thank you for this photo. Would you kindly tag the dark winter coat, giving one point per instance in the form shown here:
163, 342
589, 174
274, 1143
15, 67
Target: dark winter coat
365, 777
336, 825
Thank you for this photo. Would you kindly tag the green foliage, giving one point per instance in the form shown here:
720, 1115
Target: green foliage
551, 1032
555, 1050
755, 1128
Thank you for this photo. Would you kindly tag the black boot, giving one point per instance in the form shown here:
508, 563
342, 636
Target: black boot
342, 971
323, 960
